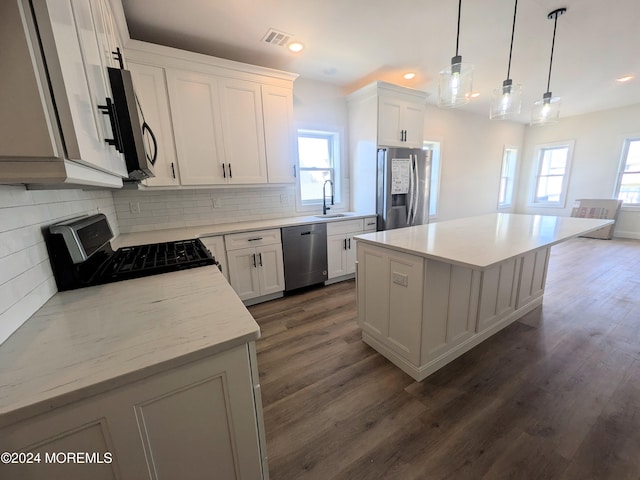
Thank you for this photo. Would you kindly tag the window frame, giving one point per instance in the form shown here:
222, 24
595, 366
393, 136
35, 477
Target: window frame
510, 189
621, 170
538, 151
336, 137
435, 175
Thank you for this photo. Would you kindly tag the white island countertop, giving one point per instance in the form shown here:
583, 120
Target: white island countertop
87, 341
482, 241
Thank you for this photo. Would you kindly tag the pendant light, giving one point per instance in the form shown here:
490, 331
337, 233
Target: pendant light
507, 100
547, 110
456, 81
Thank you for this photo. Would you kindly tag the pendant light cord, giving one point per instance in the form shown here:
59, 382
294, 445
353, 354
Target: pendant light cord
553, 43
513, 31
458, 33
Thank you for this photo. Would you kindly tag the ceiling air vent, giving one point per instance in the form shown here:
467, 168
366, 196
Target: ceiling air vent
277, 38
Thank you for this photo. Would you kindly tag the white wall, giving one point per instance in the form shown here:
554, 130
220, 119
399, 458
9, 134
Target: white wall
598, 145
471, 154
318, 103
26, 280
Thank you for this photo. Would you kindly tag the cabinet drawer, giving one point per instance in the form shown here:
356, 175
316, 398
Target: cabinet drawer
370, 224
254, 238
348, 226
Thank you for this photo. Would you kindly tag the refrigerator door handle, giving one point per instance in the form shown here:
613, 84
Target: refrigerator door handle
411, 191
415, 190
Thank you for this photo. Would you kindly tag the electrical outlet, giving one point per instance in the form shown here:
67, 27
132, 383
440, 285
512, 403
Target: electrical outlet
400, 279
134, 207
284, 199
215, 202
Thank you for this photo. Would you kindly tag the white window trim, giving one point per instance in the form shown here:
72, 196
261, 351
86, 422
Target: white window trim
438, 179
507, 206
339, 170
624, 148
565, 181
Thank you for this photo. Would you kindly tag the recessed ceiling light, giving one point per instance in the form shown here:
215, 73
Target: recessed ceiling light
626, 78
409, 75
296, 47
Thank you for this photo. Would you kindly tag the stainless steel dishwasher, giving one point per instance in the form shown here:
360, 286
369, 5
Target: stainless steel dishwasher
304, 249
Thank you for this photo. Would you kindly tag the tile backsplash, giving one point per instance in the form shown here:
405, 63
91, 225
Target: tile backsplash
142, 210
26, 280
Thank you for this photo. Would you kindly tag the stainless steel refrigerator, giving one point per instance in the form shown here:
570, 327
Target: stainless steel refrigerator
403, 187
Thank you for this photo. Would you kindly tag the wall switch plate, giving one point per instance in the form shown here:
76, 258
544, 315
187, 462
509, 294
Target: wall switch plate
400, 279
134, 207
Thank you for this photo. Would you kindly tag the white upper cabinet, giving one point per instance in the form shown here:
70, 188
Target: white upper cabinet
232, 123
243, 131
151, 89
195, 110
279, 135
380, 115
53, 129
400, 121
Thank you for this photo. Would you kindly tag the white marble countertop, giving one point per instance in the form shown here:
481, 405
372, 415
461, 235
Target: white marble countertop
482, 241
88, 341
167, 235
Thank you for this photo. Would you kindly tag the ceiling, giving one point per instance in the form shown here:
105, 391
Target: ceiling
353, 42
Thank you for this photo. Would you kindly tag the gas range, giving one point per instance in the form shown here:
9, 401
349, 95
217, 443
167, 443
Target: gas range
81, 255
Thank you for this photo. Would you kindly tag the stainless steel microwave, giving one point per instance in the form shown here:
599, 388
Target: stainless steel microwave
132, 136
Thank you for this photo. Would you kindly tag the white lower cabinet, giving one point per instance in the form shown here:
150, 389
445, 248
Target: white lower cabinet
341, 247
197, 421
256, 267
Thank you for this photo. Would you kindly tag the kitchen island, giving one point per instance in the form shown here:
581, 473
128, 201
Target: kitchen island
429, 293
154, 377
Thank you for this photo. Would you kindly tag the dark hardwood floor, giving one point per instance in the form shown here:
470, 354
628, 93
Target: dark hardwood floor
556, 395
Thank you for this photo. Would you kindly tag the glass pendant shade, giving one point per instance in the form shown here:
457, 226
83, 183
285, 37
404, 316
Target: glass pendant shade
456, 84
546, 111
506, 102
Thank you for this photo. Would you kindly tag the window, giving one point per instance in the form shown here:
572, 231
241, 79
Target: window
507, 177
628, 187
434, 189
552, 175
319, 161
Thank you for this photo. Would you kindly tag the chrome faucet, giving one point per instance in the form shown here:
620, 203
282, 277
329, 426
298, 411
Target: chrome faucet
324, 196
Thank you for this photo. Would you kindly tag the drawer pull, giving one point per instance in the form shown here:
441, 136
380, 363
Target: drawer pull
254, 239
305, 233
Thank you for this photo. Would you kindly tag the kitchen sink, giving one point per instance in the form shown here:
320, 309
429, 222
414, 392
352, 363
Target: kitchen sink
332, 215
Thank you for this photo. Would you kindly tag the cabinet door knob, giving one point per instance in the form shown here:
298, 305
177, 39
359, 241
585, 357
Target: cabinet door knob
254, 260
349, 240
230, 174
260, 258
344, 244
173, 170
224, 171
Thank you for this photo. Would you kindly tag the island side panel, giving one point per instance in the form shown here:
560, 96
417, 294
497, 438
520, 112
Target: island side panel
498, 291
533, 277
450, 308
390, 292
